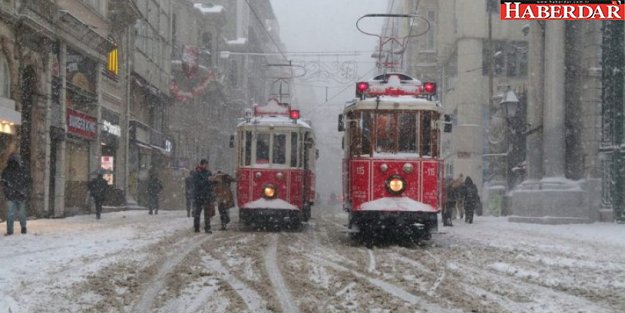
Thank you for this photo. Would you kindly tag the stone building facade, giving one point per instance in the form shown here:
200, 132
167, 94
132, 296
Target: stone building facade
541, 162
86, 88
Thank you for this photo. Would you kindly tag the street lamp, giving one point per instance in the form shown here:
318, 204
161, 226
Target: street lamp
510, 104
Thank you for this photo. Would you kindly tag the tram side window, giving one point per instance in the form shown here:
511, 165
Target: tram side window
407, 132
385, 132
366, 133
279, 149
248, 148
353, 141
426, 134
262, 148
294, 154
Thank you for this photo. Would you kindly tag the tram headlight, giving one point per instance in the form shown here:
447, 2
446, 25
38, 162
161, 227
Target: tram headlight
269, 191
280, 175
396, 184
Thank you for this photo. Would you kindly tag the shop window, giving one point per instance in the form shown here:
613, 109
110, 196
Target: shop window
5, 77
508, 58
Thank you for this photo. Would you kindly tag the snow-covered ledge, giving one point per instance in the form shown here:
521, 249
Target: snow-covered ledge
552, 200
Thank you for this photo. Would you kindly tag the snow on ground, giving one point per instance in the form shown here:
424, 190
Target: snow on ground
135, 262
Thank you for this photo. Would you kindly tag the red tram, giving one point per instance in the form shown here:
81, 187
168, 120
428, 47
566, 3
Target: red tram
276, 157
392, 170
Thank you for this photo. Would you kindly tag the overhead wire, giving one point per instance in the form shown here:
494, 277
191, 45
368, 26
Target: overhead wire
265, 30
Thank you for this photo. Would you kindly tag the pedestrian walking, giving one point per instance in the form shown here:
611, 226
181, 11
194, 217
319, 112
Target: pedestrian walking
458, 186
97, 189
188, 192
471, 199
204, 196
450, 202
154, 189
17, 184
225, 200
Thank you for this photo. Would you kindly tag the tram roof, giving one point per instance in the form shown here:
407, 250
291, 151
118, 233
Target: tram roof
269, 120
395, 103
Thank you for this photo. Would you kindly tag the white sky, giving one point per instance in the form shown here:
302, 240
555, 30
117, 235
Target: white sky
329, 25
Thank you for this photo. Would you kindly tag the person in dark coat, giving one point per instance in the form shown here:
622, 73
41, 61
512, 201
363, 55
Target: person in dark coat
154, 189
450, 202
188, 192
97, 189
17, 184
225, 200
471, 199
204, 197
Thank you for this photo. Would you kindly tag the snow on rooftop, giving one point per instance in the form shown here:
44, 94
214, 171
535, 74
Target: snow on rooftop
208, 8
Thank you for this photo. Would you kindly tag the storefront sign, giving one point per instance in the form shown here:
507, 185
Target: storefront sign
81, 124
111, 128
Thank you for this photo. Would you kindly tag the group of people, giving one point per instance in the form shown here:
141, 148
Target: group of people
202, 190
462, 200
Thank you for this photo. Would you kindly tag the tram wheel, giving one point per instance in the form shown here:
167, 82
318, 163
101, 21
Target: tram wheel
306, 213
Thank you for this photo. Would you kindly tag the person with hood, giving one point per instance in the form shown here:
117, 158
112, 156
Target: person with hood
471, 199
154, 189
17, 184
225, 200
450, 202
97, 189
203, 196
188, 192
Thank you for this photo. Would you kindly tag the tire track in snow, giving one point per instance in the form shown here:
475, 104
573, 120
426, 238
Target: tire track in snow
158, 282
253, 301
441, 275
271, 266
372, 264
389, 288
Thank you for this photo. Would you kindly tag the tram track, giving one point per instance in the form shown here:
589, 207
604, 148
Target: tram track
281, 289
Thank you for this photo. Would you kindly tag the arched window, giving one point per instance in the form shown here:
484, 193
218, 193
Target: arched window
5, 77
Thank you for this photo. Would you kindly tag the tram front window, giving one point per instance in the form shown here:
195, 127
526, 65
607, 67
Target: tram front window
385, 132
279, 149
262, 148
408, 132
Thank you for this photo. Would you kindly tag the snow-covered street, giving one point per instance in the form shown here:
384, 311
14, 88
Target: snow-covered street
133, 262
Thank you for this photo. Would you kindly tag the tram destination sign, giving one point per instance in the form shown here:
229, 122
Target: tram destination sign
81, 124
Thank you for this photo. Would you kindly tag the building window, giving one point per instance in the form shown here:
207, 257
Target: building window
508, 58
5, 77
112, 63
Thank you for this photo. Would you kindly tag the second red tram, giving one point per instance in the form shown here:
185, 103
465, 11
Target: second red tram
392, 169
275, 165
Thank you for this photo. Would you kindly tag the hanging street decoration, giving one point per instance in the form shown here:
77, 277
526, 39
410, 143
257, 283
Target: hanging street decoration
186, 95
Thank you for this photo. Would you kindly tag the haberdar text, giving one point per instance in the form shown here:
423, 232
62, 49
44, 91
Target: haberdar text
559, 11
